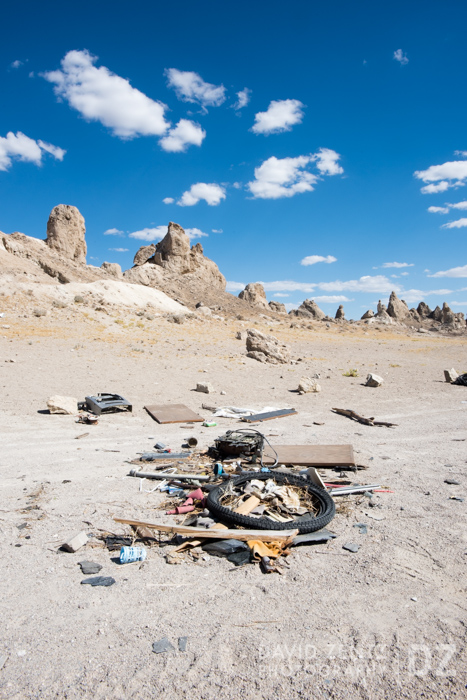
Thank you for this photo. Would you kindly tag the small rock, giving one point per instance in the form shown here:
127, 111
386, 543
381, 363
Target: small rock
205, 388
456, 498
414, 599
89, 567
99, 581
453, 482
374, 380
79, 299
39, 312
162, 646
308, 385
362, 528
373, 516
450, 375
76, 542
67, 405
351, 547
182, 642
223, 393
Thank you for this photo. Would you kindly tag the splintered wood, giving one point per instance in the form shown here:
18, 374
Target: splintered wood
361, 419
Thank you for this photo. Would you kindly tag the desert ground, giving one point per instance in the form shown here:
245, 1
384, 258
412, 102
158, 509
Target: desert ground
388, 621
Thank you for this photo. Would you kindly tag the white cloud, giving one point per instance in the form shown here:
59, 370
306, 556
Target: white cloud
395, 276
243, 98
281, 115
16, 64
168, 200
401, 57
237, 185
211, 193
434, 189
459, 223
288, 286
368, 283
282, 177
100, 95
404, 274
462, 154
185, 133
289, 306
150, 234
458, 205
447, 175
190, 87
195, 233
458, 303
217, 230
278, 294
412, 296
235, 286
438, 210
113, 232
313, 259
119, 250
453, 272
20, 147
327, 162
397, 264
336, 299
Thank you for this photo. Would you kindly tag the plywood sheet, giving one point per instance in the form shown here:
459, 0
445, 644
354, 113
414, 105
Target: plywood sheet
173, 413
312, 455
259, 417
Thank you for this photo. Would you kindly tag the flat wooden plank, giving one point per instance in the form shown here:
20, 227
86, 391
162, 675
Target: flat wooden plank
260, 417
311, 455
201, 533
173, 413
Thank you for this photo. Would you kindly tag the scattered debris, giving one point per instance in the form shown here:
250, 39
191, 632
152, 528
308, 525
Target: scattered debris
362, 528
182, 643
174, 413
132, 554
83, 435
373, 516
260, 417
99, 581
162, 646
106, 403
453, 482
325, 456
67, 405
360, 419
89, 567
351, 547
461, 380
450, 375
75, 542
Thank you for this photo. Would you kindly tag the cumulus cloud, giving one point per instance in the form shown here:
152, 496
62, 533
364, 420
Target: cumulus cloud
235, 286
313, 259
278, 294
150, 234
20, 147
217, 230
412, 296
100, 95
195, 233
282, 177
438, 210
453, 272
168, 200
458, 205
367, 283
190, 87
458, 303
281, 115
446, 175
119, 250
16, 64
336, 299
459, 223
400, 57
288, 286
397, 264
243, 98
327, 162
113, 232
185, 133
404, 274
211, 193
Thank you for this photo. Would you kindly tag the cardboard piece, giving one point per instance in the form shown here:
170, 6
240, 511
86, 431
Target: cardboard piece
173, 413
311, 455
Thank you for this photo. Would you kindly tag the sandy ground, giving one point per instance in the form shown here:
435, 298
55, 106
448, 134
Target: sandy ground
386, 622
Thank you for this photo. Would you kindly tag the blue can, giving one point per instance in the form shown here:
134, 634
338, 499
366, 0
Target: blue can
130, 554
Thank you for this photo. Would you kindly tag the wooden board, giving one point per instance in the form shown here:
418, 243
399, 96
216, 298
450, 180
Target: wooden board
198, 532
311, 455
260, 417
173, 413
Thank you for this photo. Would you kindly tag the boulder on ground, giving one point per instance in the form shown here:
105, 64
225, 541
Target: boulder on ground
424, 310
397, 308
254, 295
143, 254
278, 307
307, 385
66, 233
113, 269
62, 404
308, 309
204, 388
374, 380
266, 348
340, 313
450, 375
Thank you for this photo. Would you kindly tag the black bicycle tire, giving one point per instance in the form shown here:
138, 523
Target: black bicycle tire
327, 508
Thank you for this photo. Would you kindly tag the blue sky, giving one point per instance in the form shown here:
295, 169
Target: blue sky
320, 148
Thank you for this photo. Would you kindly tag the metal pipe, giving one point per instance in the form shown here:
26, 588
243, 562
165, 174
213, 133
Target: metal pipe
172, 477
